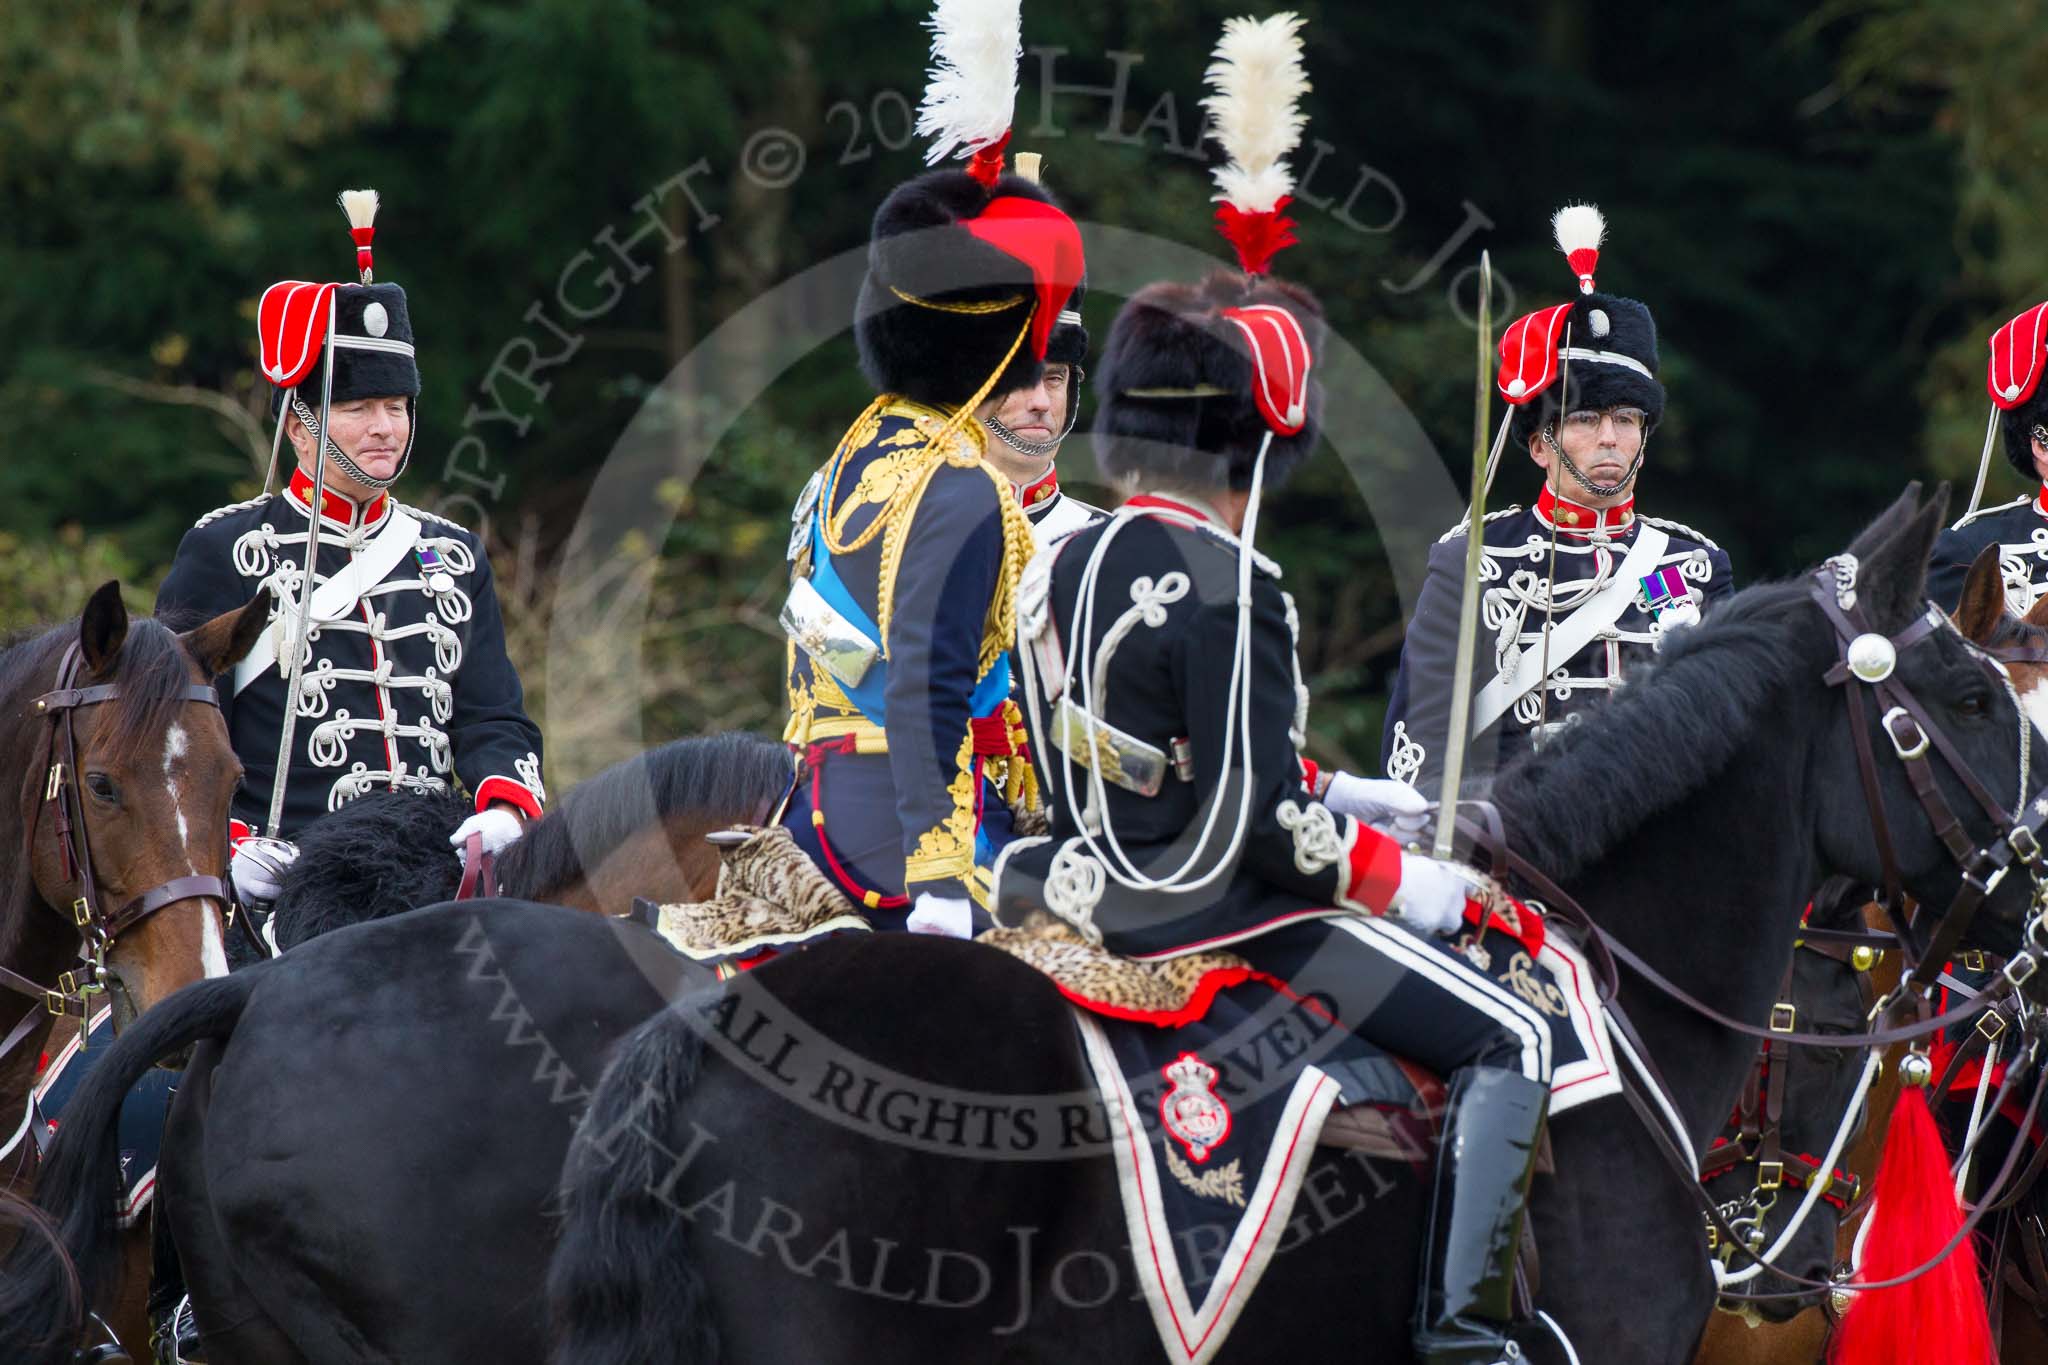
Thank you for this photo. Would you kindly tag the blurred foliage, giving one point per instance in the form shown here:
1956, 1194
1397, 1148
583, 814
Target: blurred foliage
1827, 214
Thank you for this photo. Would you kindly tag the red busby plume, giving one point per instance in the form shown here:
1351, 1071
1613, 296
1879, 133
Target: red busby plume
361, 208
1255, 115
1579, 229
970, 92
1942, 1313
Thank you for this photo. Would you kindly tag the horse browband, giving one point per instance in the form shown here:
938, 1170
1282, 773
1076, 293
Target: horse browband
74, 848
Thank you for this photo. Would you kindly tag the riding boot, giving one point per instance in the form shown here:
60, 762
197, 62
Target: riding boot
1492, 1121
174, 1335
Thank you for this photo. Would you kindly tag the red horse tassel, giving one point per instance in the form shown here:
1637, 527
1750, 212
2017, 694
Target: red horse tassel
1940, 1316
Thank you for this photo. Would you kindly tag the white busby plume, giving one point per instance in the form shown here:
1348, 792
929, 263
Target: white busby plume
361, 208
1579, 229
1257, 82
970, 92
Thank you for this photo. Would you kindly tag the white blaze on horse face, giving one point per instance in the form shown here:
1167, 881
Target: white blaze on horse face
2033, 685
175, 746
213, 954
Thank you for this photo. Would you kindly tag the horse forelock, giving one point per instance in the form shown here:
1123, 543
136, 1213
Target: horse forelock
1682, 719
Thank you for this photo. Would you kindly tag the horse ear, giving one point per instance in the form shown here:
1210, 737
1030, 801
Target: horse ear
103, 627
1894, 582
1870, 541
1983, 601
220, 644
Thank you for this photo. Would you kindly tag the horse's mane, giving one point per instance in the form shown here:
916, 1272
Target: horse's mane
1682, 718
730, 776
153, 672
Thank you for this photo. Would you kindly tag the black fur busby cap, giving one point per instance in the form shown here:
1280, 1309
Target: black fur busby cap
373, 348
941, 307
1176, 383
1612, 362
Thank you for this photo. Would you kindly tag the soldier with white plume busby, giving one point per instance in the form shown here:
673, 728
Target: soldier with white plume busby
1166, 702
906, 544
1580, 584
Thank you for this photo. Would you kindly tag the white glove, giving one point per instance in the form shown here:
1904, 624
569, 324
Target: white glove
257, 869
1381, 802
952, 916
1432, 894
500, 828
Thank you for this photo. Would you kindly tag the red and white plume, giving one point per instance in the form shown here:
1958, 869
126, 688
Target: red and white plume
361, 208
1579, 229
970, 92
1256, 81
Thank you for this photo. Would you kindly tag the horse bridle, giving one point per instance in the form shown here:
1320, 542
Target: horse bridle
72, 995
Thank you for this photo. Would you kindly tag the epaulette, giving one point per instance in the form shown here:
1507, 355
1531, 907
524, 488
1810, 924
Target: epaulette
217, 513
1987, 511
1459, 529
421, 514
1666, 524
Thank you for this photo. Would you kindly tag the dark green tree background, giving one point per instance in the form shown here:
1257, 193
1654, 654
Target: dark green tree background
1827, 212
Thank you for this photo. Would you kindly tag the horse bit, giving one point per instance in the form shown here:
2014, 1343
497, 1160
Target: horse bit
97, 929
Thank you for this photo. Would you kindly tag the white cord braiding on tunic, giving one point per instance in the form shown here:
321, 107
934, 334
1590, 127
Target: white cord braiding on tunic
1237, 728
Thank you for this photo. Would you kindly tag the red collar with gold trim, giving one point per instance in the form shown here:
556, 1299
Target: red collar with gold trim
336, 510
1571, 519
2041, 501
1030, 495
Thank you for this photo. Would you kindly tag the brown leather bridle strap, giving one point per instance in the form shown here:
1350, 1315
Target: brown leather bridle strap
74, 844
479, 873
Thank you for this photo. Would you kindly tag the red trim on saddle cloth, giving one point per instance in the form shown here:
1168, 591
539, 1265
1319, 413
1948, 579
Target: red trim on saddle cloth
1375, 871
1206, 990
511, 792
1526, 927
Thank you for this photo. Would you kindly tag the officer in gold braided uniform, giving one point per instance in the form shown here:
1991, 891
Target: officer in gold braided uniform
905, 550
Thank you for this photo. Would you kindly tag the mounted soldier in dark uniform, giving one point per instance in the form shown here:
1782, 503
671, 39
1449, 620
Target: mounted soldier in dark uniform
905, 552
1580, 585
1166, 704
400, 677
2019, 422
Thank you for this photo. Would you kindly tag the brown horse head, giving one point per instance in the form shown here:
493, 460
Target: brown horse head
154, 774
1982, 617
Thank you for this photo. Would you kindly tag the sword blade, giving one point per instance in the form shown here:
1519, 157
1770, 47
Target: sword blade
1468, 604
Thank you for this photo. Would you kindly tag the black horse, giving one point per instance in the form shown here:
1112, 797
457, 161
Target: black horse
1691, 816
358, 1170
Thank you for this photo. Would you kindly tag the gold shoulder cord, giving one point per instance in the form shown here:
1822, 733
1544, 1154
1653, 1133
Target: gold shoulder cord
894, 519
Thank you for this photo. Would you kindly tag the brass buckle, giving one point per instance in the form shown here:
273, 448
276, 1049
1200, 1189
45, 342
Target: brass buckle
67, 984
1991, 1023
81, 913
1770, 1175
55, 781
1973, 959
1789, 1015
2019, 969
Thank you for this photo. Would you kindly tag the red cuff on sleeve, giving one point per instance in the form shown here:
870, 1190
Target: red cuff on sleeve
238, 830
1375, 871
1309, 773
510, 792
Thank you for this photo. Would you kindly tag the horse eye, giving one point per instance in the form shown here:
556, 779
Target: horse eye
1976, 704
103, 787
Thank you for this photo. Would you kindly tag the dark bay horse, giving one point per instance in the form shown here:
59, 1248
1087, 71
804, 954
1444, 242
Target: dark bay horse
360, 1169
153, 777
1692, 816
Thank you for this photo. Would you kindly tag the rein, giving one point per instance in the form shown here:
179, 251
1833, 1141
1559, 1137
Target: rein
97, 928
1868, 660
